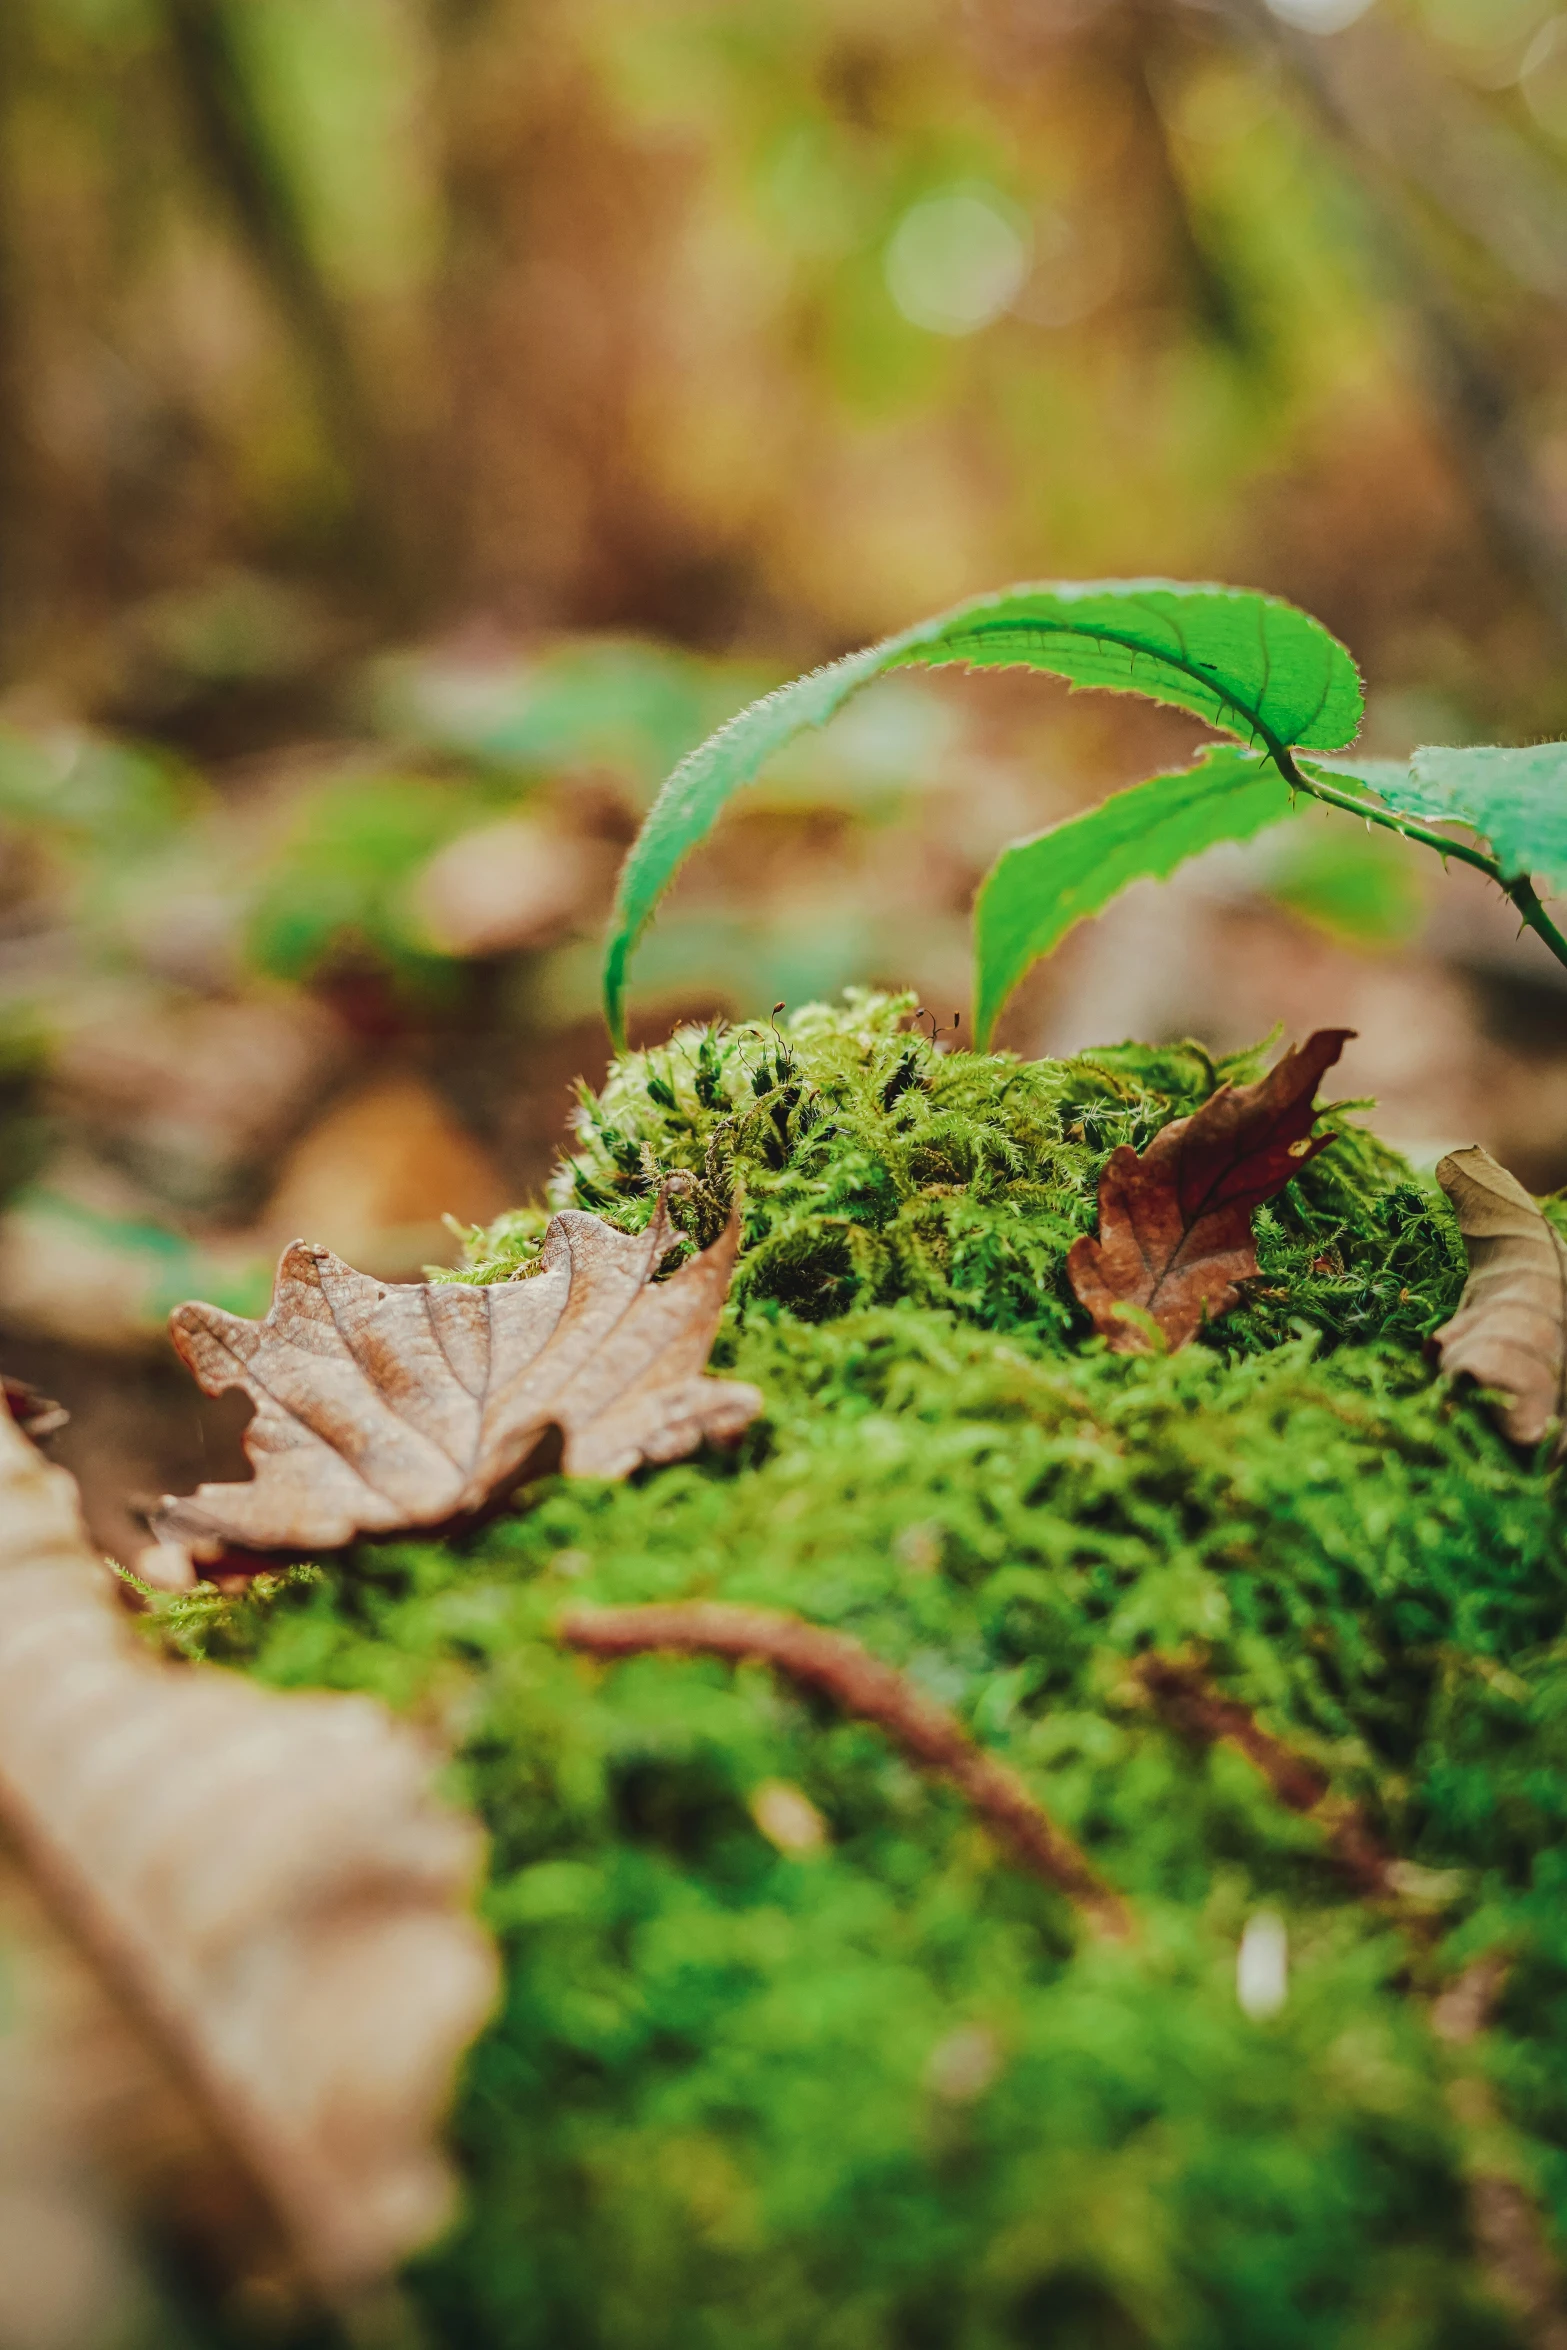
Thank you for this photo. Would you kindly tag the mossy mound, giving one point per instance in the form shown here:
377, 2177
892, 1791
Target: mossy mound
864, 2086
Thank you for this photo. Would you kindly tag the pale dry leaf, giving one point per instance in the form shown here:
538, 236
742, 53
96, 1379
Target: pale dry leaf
1175, 1223
66, 1271
375, 1177
1510, 1330
381, 1406
95, 2141
189, 1094
508, 886
265, 1883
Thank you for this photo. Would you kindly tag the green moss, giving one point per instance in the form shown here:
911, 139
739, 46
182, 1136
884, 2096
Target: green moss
875, 1167
877, 2095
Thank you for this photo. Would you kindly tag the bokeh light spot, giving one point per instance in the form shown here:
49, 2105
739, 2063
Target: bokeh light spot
1543, 77
1262, 1966
957, 259
787, 1817
1318, 16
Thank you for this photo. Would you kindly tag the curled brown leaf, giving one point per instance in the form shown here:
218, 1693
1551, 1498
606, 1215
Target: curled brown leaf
1175, 1223
264, 1883
381, 1406
1510, 1330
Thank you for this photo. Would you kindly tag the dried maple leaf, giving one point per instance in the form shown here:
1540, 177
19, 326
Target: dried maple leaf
380, 1407
1510, 1330
264, 1883
1175, 1224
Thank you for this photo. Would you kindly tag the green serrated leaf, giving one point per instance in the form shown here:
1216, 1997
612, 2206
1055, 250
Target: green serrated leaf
1515, 800
1038, 889
1248, 664
1376, 774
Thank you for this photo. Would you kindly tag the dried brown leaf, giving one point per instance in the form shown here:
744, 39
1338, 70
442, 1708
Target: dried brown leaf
374, 1177
1175, 1224
264, 1883
36, 1415
382, 1406
513, 884
1510, 1330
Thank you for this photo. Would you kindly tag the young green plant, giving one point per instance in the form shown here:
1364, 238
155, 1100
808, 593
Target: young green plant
1256, 669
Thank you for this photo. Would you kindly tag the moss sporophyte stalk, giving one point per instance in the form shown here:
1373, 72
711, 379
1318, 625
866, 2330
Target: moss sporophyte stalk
867, 2083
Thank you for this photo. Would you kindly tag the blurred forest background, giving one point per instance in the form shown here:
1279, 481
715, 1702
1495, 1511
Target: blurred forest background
422, 420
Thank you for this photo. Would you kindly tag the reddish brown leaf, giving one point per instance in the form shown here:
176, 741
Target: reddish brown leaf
36, 1415
1175, 1225
380, 1406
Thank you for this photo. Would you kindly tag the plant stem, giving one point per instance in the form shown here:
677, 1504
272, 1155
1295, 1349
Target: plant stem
1520, 891
1534, 915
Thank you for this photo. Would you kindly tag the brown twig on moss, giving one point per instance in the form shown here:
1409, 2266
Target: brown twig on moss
1508, 2232
1185, 1699
862, 1685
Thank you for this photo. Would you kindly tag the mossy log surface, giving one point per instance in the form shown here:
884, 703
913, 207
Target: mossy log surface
791, 2053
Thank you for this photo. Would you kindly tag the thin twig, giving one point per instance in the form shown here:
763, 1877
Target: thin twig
1188, 1701
859, 1682
1506, 2221
1462, 2012
1509, 2235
